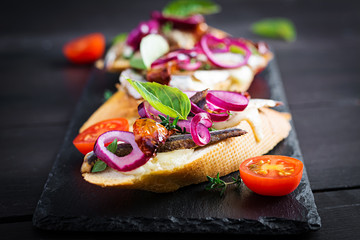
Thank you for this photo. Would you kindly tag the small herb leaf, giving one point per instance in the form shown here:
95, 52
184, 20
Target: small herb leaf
137, 62
275, 28
112, 146
119, 38
217, 184
168, 100
185, 8
99, 166
107, 94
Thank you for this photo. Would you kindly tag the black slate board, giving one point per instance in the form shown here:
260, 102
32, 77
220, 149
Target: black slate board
68, 203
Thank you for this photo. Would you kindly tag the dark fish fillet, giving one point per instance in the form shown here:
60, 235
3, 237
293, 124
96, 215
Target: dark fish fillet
174, 142
198, 96
185, 141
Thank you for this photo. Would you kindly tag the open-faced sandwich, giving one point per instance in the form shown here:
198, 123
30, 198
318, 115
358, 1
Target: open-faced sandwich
177, 48
181, 138
181, 112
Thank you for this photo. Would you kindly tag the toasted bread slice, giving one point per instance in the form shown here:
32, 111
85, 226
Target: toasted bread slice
119, 105
169, 171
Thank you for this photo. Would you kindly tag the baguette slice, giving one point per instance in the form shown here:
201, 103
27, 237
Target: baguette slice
169, 171
119, 105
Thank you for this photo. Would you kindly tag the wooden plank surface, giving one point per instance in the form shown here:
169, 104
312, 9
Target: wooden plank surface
320, 71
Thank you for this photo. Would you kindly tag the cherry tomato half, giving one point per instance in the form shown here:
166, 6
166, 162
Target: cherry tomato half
85, 49
85, 141
271, 175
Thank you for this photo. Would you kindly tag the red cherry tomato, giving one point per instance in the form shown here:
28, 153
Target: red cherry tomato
271, 175
85, 49
85, 141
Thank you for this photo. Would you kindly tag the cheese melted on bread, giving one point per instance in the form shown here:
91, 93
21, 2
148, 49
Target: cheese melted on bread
170, 171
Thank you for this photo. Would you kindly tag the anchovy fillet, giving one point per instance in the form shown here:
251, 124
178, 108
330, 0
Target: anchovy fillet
198, 96
174, 142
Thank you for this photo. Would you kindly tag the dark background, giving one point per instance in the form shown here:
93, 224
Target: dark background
39, 91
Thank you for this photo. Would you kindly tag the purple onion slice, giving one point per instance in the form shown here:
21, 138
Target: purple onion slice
200, 135
129, 162
145, 110
215, 117
232, 101
207, 40
143, 29
189, 23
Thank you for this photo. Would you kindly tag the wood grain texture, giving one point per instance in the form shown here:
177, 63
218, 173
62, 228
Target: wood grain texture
38, 88
330, 140
27, 152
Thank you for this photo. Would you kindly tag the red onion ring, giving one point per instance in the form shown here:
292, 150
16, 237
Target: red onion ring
214, 108
213, 41
232, 101
220, 50
182, 57
210, 55
143, 29
162, 61
199, 133
127, 163
185, 124
145, 110
214, 116
142, 111
181, 23
201, 136
189, 66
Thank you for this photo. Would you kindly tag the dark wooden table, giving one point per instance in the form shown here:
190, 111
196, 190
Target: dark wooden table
39, 90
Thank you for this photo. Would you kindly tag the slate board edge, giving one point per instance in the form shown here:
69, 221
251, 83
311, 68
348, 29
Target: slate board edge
42, 218
265, 226
278, 92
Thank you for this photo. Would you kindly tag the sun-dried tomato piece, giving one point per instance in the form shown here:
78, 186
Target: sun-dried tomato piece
149, 135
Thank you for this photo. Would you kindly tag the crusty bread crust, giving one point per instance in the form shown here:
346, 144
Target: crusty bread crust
223, 157
119, 105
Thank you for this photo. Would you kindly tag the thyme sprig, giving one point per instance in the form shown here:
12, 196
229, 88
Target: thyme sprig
217, 184
165, 121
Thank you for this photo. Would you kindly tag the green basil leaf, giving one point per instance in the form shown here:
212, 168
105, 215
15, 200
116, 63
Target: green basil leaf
119, 38
137, 62
99, 166
185, 8
112, 146
275, 28
168, 100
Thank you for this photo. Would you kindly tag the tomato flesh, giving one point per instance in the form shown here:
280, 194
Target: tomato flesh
271, 175
85, 49
85, 141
